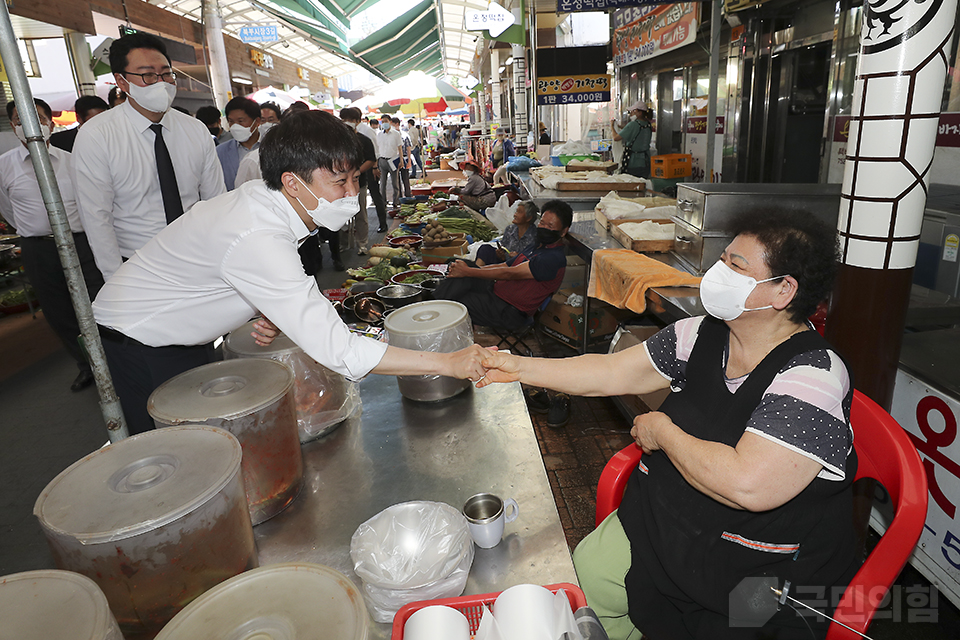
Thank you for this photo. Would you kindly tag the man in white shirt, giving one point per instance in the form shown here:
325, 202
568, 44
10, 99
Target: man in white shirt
416, 141
127, 189
389, 148
235, 256
373, 175
243, 118
21, 204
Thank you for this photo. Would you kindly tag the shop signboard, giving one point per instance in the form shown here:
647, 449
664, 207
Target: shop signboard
574, 6
641, 33
579, 89
259, 33
930, 419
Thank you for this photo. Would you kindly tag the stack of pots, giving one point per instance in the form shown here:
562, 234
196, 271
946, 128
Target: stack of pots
55, 605
254, 400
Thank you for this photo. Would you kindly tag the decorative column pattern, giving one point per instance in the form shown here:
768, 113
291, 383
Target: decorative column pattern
521, 120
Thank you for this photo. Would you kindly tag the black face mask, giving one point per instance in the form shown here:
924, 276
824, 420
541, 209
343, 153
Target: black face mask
547, 236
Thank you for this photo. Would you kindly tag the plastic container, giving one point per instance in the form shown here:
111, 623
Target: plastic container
441, 326
155, 520
472, 606
253, 399
324, 398
55, 605
671, 166
279, 602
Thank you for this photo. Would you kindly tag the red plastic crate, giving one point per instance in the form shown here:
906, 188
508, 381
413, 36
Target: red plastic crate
472, 606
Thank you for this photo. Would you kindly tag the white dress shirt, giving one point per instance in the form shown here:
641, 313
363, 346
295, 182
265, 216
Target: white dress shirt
388, 144
365, 129
249, 168
218, 265
118, 188
21, 202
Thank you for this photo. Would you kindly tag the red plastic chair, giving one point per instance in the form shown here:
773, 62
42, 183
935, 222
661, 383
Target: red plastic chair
885, 454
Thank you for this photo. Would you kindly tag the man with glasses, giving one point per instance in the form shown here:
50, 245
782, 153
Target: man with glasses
141, 165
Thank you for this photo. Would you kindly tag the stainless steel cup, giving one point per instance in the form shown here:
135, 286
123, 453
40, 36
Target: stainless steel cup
486, 515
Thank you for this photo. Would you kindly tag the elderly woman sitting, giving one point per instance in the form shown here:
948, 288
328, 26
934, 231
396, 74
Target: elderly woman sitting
476, 194
745, 481
519, 237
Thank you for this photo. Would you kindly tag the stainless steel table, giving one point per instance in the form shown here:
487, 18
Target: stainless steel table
399, 450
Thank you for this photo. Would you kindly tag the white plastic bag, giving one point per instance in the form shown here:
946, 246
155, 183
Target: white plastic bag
409, 552
501, 214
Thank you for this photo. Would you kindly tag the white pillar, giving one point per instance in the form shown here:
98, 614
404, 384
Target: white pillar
495, 85
219, 71
521, 120
79, 53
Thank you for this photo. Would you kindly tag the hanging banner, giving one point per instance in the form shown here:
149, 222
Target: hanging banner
642, 33
574, 6
573, 89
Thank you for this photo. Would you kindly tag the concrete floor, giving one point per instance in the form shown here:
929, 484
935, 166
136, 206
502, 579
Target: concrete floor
44, 428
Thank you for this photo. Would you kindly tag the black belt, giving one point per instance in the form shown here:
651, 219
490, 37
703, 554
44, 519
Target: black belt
115, 336
51, 237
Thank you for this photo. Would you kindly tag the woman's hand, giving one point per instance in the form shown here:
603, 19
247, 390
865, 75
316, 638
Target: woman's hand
499, 367
502, 254
647, 427
467, 364
264, 332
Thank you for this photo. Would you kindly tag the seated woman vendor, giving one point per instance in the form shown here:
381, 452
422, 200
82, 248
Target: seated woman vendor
476, 194
746, 474
519, 237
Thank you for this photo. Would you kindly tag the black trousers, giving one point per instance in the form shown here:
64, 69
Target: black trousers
137, 370
41, 262
485, 307
379, 202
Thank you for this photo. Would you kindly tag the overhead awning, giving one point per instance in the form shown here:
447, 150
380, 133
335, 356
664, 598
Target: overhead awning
409, 43
328, 31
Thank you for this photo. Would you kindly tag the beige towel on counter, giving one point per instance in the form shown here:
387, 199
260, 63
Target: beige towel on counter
621, 277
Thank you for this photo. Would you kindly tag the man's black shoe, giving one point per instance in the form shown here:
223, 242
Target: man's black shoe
558, 415
382, 230
83, 380
537, 400
338, 266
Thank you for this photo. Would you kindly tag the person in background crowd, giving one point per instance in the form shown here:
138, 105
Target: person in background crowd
270, 112
476, 194
405, 157
210, 116
361, 226
21, 204
502, 148
235, 257
138, 167
636, 137
544, 136
297, 107
416, 141
116, 97
85, 107
243, 116
519, 237
373, 174
389, 150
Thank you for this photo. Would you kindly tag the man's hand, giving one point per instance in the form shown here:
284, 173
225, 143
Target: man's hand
500, 367
502, 254
376, 173
264, 332
467, 364
459, 269
646, 428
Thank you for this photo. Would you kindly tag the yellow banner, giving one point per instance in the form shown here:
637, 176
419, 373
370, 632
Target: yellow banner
3, 72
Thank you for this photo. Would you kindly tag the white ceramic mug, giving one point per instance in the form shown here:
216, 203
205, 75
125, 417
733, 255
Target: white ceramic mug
486, 514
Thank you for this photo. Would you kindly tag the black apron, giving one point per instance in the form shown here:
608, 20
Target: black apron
689, 552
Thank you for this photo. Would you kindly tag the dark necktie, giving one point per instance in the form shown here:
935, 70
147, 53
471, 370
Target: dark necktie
172, 206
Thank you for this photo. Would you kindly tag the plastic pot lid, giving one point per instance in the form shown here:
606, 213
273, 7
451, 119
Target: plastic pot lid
424, 318
225, 390
139, 484
279, 602
241, 342
54, 605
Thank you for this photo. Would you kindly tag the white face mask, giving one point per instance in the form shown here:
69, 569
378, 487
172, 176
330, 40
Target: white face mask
385, 126
266, 126
19, 132
467, 173
724, 292
633, 117
334, 214
352, 125
240, 133
156, 97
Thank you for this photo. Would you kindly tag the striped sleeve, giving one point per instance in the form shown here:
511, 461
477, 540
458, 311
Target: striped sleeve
669, 349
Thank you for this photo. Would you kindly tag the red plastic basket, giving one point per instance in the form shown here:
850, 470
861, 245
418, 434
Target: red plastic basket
472, 606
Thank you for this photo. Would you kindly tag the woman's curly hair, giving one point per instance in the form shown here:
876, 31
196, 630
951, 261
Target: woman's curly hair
797, 244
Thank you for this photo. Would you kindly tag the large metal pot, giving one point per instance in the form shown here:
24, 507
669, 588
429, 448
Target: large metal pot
324, 398
442, 326
254, 400
155, 520
400, 295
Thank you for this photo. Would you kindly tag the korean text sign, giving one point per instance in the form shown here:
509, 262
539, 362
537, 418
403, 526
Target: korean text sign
640, 33
573, 89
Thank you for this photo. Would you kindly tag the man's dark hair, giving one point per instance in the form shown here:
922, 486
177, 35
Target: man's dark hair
305, 142
353, 114
208, 115
411, 122
273, 106
561, 209
115, 96
797, 244
85, 104
248, 106
41, 105
123, 46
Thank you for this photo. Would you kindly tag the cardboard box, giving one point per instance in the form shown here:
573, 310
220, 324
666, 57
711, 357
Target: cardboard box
438, 255
565, 323
575, 275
